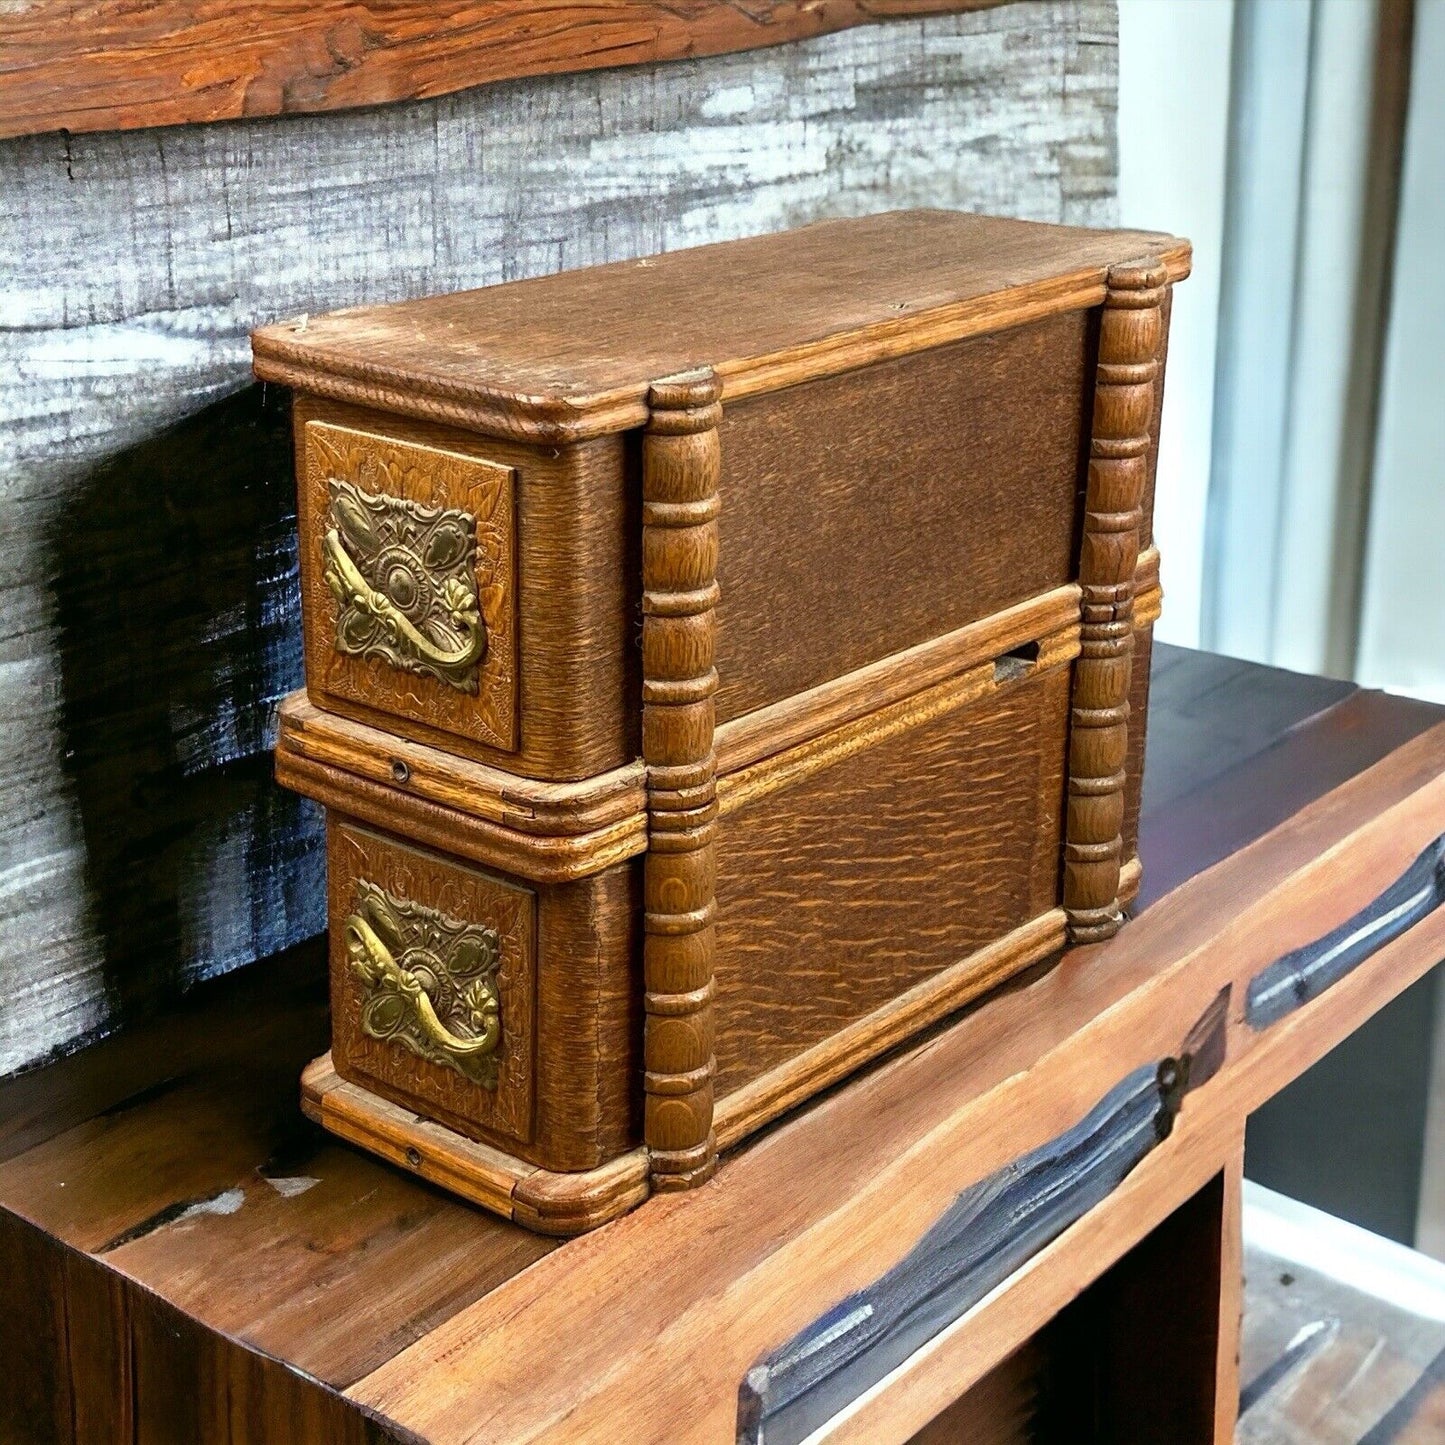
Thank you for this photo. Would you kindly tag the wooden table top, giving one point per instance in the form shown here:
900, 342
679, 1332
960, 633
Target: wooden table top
189, 1259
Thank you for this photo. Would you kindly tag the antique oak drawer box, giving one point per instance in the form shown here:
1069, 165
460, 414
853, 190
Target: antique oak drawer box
718, 668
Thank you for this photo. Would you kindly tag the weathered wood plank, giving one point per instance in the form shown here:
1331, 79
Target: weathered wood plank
115, 65
147, 595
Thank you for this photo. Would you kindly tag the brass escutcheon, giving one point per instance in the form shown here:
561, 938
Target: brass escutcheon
404, 579
430, 982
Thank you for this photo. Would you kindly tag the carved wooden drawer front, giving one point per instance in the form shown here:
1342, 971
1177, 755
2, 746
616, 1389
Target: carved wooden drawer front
408, 580
433, 981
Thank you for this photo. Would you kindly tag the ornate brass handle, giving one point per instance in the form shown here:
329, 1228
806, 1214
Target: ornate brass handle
351, 589
398, 1005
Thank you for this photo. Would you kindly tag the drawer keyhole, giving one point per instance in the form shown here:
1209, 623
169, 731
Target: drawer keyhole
1016, 663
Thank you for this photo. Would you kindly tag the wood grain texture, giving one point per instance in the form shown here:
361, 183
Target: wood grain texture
870, 512
766, 313
568, 987
842, 1191
570, 655
546, 832
356, 857
103, 1364
680, 466
107, 66
309, 1220
541, 1200
746, 740
136, 265
1124, 405
850, 887
480, 493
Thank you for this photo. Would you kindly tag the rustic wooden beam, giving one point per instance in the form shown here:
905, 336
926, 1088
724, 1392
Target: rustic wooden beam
116, 65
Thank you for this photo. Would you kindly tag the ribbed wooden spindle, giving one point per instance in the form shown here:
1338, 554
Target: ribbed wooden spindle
1128, 368
680, 463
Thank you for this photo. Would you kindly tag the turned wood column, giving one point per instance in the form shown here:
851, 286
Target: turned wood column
680, 462
1130, 329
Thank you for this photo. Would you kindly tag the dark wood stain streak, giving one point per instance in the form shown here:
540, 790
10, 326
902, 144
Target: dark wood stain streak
1305, 973
985, 1235
100, 1357
1396, 1421
162, 1217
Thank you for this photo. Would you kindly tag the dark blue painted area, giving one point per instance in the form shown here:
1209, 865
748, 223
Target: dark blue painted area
1304, 974
986, 1234
175, 577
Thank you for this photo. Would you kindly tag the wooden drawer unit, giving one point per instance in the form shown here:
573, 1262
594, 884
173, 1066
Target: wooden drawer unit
730, 659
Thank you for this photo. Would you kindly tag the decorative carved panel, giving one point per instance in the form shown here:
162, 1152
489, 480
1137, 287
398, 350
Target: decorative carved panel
409, 588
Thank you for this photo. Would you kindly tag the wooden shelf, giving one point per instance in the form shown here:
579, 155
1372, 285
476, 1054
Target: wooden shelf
116, 65
191, 1260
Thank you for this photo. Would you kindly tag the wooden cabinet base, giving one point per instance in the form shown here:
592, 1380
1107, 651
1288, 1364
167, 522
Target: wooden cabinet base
539, 1199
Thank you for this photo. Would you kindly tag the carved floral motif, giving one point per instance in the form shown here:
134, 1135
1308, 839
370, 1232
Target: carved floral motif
430, 981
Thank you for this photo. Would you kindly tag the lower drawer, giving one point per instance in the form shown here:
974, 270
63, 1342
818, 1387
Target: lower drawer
881, 867
921, 844
507, 1012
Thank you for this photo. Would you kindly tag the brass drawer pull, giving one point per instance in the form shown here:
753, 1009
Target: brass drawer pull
447, 969
421, 562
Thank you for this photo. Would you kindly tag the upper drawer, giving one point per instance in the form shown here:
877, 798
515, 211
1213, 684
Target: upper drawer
865, 513
467, 591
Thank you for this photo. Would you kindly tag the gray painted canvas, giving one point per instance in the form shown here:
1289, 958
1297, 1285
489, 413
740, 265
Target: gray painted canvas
148, 605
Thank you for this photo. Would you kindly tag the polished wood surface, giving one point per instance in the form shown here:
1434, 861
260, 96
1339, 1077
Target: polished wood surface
681, 461
820, 1206
568, 993
1131, 333
576, 588
767, 313
846, 889
868, 513
108, 65
305, 1288
888, 442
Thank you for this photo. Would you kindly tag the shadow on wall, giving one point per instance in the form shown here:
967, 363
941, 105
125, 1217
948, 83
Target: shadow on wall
174, 571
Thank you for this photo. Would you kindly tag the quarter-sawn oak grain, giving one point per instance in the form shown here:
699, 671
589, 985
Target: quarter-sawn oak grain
841, 535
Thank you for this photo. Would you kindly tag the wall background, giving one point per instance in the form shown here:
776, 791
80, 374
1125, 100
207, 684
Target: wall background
147, 560
1174, 74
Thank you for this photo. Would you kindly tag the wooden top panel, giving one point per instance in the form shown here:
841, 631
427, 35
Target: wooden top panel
570, 355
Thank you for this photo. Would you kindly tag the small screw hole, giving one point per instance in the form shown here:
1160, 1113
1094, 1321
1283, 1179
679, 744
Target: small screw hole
413, 1157
399, 771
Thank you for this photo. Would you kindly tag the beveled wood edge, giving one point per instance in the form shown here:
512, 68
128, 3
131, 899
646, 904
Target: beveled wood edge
681, 463
497, 411
494, 795
755, 735
562, 832
780, 770
541, 860
747, 1109
539, 1199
